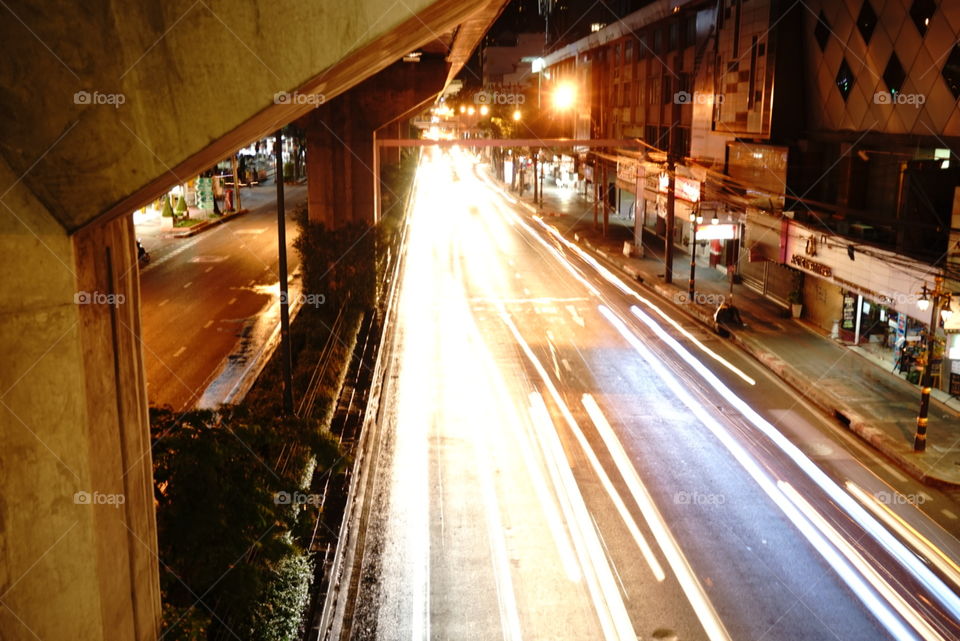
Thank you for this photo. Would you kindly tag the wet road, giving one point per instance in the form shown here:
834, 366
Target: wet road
559, 458
203, 297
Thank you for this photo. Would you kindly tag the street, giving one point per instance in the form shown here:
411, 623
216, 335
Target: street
561, 458
205, 298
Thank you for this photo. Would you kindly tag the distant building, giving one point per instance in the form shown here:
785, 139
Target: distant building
504, 64
826, 132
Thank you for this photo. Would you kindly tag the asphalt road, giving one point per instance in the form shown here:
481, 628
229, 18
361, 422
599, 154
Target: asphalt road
202, 296
560, 457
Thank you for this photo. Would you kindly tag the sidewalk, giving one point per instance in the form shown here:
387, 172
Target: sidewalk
877, 405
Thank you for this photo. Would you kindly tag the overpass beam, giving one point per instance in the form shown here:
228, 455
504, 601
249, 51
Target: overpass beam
340, 139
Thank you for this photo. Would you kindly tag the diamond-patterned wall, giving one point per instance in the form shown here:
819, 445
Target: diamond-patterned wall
870, 104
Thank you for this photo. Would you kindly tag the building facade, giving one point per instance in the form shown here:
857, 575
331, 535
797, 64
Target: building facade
825, 132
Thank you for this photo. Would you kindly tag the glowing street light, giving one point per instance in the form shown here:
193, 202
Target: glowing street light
484, 110
564, 96
471, 111
517, 115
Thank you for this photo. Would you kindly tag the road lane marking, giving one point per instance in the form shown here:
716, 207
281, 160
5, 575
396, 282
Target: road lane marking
606, 550
188, 284
577, 318
163, 302
179, 351
208, 324
921, 543
232, 301
839, 541
600, 581
601, 473
817, 538
208, 270
687, 578
947, 513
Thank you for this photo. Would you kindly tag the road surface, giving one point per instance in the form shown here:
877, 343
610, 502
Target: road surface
206, 299
560, 457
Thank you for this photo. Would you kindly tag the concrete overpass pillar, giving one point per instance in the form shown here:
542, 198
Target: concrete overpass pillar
78, 533
340, 139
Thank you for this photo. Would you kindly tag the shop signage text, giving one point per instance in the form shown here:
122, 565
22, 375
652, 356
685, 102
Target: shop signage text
812, 266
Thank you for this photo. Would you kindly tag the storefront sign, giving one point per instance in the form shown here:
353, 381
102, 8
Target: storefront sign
716, 232
881, 276
811, 266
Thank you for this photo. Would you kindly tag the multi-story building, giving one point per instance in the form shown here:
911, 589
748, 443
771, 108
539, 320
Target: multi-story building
826, 133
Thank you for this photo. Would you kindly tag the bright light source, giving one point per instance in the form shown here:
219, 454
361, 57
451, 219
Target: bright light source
484, 110
517, 115
564, 96
923, 304
471, 111
463, 108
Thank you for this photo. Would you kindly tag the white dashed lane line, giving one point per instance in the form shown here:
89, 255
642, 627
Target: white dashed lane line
187, 284
179, 351
207, 324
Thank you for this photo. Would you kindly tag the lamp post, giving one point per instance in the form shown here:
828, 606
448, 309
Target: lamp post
933, 299
695, 219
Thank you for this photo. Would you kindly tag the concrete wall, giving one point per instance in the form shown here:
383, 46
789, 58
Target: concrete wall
72, 420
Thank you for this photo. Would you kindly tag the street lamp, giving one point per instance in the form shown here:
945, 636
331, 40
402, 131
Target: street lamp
695, 219
517, 115
933, 300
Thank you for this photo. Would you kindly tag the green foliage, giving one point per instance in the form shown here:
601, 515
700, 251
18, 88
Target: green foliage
338, 264
278, 616
167, 210
288, 170
181, 209
221, 530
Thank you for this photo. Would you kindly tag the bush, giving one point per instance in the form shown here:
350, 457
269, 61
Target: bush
167, 209
181, 209
279, 616
221, 531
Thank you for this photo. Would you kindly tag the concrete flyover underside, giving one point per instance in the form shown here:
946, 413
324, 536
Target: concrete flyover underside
103, 106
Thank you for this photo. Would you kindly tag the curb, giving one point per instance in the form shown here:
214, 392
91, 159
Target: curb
207, 224
879, 440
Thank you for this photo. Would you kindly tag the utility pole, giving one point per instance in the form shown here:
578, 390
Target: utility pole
671, 212
236, 183
286, 355
926, 380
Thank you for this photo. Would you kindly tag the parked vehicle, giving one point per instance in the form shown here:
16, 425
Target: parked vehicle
143, 256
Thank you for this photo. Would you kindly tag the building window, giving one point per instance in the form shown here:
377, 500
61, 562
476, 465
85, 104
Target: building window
920, 12
658, 41
653, 95
822, 31
643, 46
667, 93
845, 79
894, 75
627, 94
951, 72
674, 36
690, 31
866, 21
